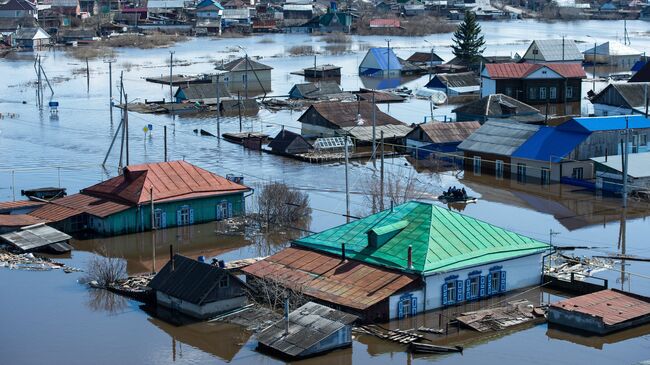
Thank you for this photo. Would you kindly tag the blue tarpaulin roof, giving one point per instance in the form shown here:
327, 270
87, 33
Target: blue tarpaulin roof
611, 123
385, 58
550, 144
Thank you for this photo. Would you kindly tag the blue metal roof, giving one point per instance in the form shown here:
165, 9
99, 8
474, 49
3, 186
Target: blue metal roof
638, 66
612, 123
550, 144
386, 58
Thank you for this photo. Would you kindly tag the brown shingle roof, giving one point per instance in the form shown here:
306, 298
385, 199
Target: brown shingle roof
349, 283
345, 114
170, 180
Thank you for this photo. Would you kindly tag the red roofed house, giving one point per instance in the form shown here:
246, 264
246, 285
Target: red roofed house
182, 194
558, 85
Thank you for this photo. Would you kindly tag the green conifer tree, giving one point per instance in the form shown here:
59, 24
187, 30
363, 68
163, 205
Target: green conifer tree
468, 41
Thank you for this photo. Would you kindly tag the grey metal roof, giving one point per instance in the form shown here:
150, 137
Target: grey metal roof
459, 79
308, 325
241, 64
314, 90
203, 91
364, 133
500, 106
32, 238
639, 164
552, 50
498, 137
190, 280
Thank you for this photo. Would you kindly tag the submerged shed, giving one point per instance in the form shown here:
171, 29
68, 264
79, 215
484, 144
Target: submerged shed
38, 238
601, 312
290, 143
309, 330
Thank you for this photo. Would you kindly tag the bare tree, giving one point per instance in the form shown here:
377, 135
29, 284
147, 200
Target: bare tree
397, 189
272, 293
279, 204
104, 269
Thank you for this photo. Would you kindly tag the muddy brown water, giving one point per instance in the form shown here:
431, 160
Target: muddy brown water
47, 317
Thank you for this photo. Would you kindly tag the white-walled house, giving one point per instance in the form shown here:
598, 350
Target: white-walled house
455, 258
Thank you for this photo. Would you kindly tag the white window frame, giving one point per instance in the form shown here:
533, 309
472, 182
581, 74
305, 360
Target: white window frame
498, 169
477, 165
552, 92
545, 176
542, 93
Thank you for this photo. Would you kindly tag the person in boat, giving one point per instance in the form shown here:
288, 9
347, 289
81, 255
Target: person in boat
464, 193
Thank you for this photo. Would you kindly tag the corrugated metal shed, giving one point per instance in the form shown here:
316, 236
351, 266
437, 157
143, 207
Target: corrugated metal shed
499, 138
308, 326
36, 237
440, 239
189, 280
550, 144
352, 284
315, 90
612, 307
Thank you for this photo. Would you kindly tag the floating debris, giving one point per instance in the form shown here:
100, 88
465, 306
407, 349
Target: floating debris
31, 262
496, 319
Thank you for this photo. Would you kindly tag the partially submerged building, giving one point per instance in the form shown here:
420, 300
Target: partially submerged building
601, 312
330, 119
32, 38
308, 331
380, 62
456, 84
321, 90
289, 143
244, 74
424, 59
499, 107
609, 172
182, 194
427, 138
202, 93
614, 54
37, 238
197, 289
622, 98
428, 256
552, 51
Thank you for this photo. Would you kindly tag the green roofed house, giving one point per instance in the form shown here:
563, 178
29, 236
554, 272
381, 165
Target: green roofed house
459, 258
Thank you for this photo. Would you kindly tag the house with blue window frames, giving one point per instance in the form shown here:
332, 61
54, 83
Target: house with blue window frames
457, 258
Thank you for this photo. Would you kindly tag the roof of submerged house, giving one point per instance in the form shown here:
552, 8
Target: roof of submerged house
499, 137
441, 240
447, 132
501, 106
345, 114
610, 306
244, 64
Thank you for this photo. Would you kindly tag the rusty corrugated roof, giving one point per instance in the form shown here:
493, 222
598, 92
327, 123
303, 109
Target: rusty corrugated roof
9, 206
75, 204
170, 180
18, 220
448, 132
612, 306
349, 283
344, 114
513, 70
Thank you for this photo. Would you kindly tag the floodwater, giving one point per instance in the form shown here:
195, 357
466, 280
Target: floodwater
48, 317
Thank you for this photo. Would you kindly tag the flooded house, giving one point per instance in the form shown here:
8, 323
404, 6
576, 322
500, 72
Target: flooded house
456, 84
179, 193
32, 38
554, 88
331, 21
18, 9
424, 59
331, 119
553, 51
442, 258
19, 206
245, 74
308, 331
197, 289
322, 72
622, 98
614, 54
602, 312
499, 107
208, 17
380, 62
202, 93
14, 222
164, 9
609, 172
428, 138
289, 143
321, 90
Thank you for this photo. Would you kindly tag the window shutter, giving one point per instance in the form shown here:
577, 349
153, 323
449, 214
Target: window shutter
178, 217
400, 309
482, 286
229, 210
459, 290
489, 283
444, 294
503, 281
468, 289
163, 220
414, 306
191, 216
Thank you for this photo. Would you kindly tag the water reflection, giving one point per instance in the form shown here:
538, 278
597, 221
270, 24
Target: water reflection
100, 300
597, 342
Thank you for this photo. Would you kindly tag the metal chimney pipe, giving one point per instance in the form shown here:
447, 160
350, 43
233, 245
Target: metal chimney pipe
343, 251
410, 257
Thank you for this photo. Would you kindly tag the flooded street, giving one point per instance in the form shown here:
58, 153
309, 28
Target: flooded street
48, 317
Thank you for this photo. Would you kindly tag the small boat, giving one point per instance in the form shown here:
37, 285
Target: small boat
424, 348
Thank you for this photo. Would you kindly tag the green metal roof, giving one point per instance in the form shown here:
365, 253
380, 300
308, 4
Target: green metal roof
441, 240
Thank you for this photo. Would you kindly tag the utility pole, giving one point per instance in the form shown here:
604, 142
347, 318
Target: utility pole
625, 160
126, 126
110, 81
388, 56
165, 132
87, 76
246, 77
122, 119
239, 110
381, 175
218, 108
374, 123
593, 85
40, 83
347, 184
171, 68
153, 230
563, 36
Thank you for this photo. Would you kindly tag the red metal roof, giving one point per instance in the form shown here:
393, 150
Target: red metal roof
612, 306
348, 283
72, 205
18, 204
18, 220
520, 70
170, 181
